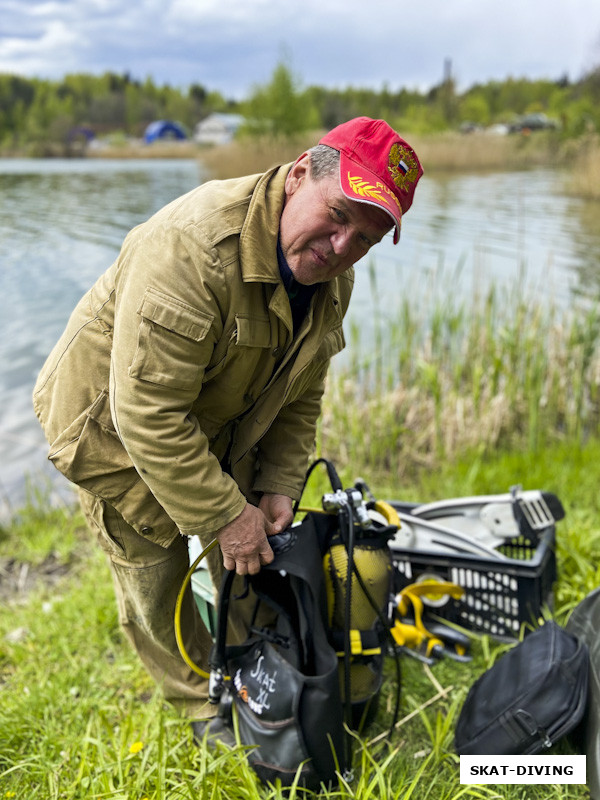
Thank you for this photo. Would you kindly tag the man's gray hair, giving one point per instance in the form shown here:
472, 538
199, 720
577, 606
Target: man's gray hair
324, 161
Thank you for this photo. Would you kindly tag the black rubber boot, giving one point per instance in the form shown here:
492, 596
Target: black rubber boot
215, 729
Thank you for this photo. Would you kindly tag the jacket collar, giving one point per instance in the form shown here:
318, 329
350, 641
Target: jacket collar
258, 237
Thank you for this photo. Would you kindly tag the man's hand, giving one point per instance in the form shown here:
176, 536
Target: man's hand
244, 542
277, 508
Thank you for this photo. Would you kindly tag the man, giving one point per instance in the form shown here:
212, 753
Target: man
183, 396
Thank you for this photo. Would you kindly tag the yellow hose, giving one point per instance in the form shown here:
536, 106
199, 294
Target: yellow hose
179, 603
389, 512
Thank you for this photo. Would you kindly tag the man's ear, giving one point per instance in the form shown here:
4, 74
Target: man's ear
297, 174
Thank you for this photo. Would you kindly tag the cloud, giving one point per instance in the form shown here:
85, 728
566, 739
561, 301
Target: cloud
232, 46
33, 54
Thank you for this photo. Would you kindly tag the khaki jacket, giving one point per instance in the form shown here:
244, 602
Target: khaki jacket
177, 389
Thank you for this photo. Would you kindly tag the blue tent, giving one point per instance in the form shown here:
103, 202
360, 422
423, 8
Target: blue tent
81, 132
163, 129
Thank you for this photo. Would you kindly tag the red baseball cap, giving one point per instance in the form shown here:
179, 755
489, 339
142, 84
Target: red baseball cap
376, 166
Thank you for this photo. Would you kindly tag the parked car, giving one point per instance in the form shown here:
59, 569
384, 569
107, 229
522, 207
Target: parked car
533, 122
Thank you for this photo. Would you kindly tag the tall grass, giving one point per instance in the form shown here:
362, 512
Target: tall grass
453, 151
578, 159
452, 375
583, 178
245, 155
444, 151
448, 151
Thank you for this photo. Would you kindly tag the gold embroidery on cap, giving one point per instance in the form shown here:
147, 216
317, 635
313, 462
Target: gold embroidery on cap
391, 196
363, 188
402, 165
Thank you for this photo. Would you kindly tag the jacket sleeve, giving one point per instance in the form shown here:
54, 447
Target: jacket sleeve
167, 321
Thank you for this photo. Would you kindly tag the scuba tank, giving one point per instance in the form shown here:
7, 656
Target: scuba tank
372, 560
358, 577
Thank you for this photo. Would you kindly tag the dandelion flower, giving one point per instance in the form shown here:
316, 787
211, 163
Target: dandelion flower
136, 747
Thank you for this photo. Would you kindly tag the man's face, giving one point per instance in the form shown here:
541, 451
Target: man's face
322, 232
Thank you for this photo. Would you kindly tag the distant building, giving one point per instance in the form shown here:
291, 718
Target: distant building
217, 128
164, 129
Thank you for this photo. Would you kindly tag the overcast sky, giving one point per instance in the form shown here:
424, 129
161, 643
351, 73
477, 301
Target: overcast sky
232, 45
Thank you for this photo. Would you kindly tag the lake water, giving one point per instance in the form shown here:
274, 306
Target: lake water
62, 223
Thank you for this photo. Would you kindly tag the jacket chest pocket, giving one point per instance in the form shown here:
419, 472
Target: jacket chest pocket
173, 343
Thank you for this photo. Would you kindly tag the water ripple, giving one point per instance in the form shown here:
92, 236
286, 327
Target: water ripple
62, 224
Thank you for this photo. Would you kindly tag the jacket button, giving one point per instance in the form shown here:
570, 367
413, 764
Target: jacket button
276, 351
146, 530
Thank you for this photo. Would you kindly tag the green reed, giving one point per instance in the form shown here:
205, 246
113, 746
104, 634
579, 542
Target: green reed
446, 375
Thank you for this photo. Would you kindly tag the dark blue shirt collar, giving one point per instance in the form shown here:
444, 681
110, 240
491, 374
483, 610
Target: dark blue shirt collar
299, 295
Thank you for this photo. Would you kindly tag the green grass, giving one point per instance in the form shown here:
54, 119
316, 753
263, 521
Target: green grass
75, 704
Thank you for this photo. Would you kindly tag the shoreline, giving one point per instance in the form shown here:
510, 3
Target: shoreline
447, 150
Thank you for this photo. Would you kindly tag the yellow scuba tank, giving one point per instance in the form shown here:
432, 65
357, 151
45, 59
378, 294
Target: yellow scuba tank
369, 600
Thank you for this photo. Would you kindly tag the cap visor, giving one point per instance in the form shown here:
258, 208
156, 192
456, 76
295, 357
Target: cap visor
363, 186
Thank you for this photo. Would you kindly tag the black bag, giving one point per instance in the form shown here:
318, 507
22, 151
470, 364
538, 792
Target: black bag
529, 699
584, 623
284, 680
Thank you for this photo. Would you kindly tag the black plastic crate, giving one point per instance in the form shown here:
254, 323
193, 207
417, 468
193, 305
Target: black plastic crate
499, 595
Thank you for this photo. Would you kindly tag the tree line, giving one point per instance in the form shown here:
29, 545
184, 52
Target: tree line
36, 111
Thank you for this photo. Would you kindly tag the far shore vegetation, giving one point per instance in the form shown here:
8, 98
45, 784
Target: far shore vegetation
475, 129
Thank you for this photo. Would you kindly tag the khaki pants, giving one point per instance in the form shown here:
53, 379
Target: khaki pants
147, 579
